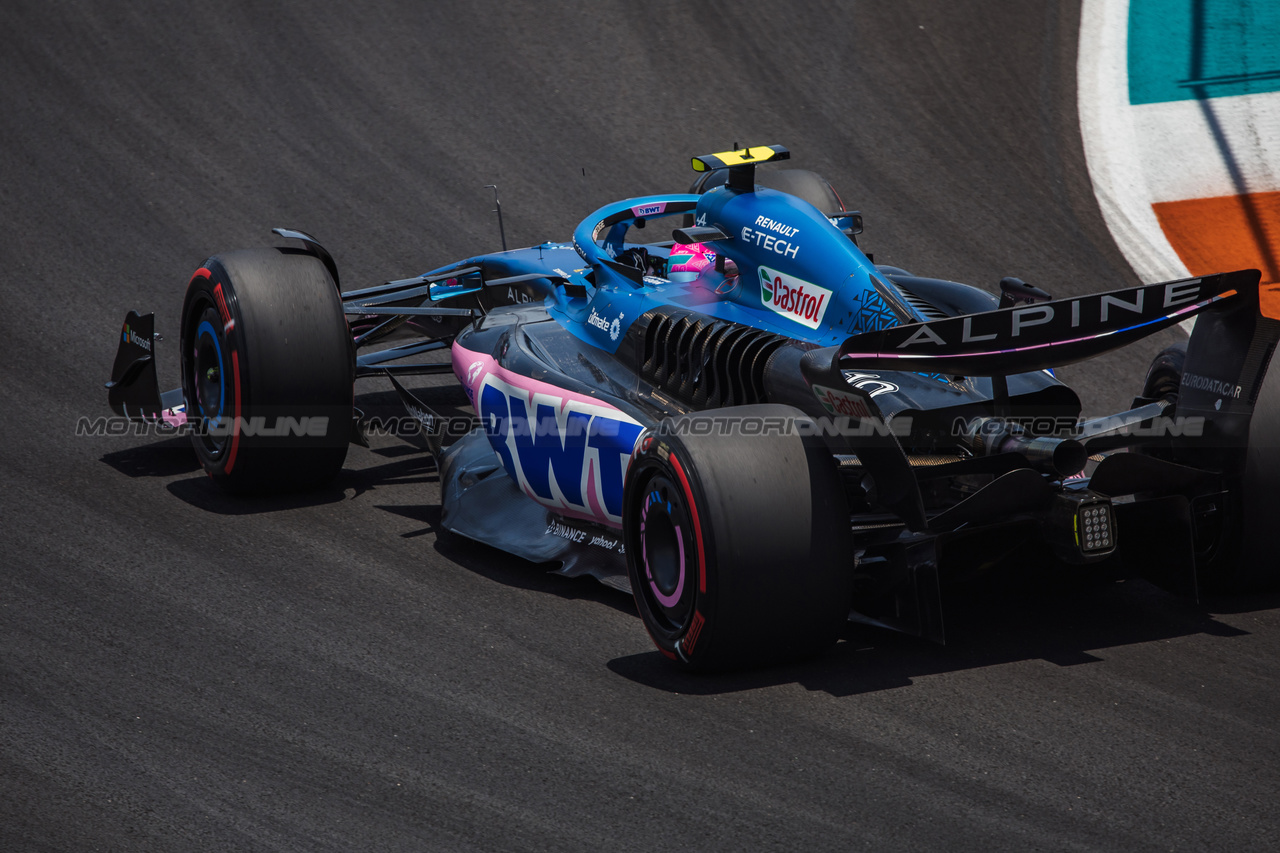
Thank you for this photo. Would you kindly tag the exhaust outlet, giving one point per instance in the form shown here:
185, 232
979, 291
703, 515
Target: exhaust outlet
1060, 456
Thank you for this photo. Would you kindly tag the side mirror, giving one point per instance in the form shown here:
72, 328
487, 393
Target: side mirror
848, 221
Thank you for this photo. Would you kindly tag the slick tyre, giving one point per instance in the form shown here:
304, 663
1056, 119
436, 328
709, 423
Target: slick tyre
1165, 374
1257, 567
1244, 557
801, 183
267, 370
738, 545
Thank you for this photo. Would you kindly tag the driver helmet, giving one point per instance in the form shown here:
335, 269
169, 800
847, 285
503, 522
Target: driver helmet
691, 259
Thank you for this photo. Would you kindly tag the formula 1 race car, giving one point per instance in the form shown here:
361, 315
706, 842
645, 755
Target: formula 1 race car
753, 427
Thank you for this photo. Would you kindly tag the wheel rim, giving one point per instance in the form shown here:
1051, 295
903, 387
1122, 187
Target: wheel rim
667, 560
208, 375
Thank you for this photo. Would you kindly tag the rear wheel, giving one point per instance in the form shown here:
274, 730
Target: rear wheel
1258, 566
267, 370
801, 183
1244, 559
738, 545
1165, 374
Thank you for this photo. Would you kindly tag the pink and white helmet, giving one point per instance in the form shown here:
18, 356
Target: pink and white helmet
690, 258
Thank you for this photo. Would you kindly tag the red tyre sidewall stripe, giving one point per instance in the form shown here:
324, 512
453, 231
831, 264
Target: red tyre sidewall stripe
235, 423
697, 524
224, 310
691, 636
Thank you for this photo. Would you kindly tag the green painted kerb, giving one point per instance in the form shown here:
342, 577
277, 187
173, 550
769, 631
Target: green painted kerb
1180, 50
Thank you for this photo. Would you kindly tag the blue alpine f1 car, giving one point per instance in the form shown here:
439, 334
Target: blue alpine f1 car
751, 426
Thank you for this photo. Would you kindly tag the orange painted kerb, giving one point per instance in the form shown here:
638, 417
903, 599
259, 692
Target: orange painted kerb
1228, 233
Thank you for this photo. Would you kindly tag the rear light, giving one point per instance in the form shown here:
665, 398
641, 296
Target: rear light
1095, 528
1081, 526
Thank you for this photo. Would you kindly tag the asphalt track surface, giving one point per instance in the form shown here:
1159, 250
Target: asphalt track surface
184, 671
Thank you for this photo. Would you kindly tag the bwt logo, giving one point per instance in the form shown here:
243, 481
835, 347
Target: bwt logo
649, 209
566, 454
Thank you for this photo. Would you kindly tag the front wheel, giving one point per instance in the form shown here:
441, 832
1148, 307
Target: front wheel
268, 370
738, 538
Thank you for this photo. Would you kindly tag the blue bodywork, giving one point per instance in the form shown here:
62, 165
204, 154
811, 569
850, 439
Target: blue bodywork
797, 274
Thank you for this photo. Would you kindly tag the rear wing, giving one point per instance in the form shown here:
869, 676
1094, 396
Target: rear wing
1032, 337
1227, 359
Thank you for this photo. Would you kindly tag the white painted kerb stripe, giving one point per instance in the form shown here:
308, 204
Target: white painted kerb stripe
1185, 159
1111, 142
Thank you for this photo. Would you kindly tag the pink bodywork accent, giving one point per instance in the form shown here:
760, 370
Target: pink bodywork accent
472, 368
649, 209
464, 360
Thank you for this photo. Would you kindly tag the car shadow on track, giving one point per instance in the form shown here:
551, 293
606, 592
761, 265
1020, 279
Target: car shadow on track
407, 462
169, 457
503, 568
984, 628
403, 469
173, 457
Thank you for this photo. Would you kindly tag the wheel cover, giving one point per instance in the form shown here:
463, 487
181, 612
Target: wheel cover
208, 372
666, 557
